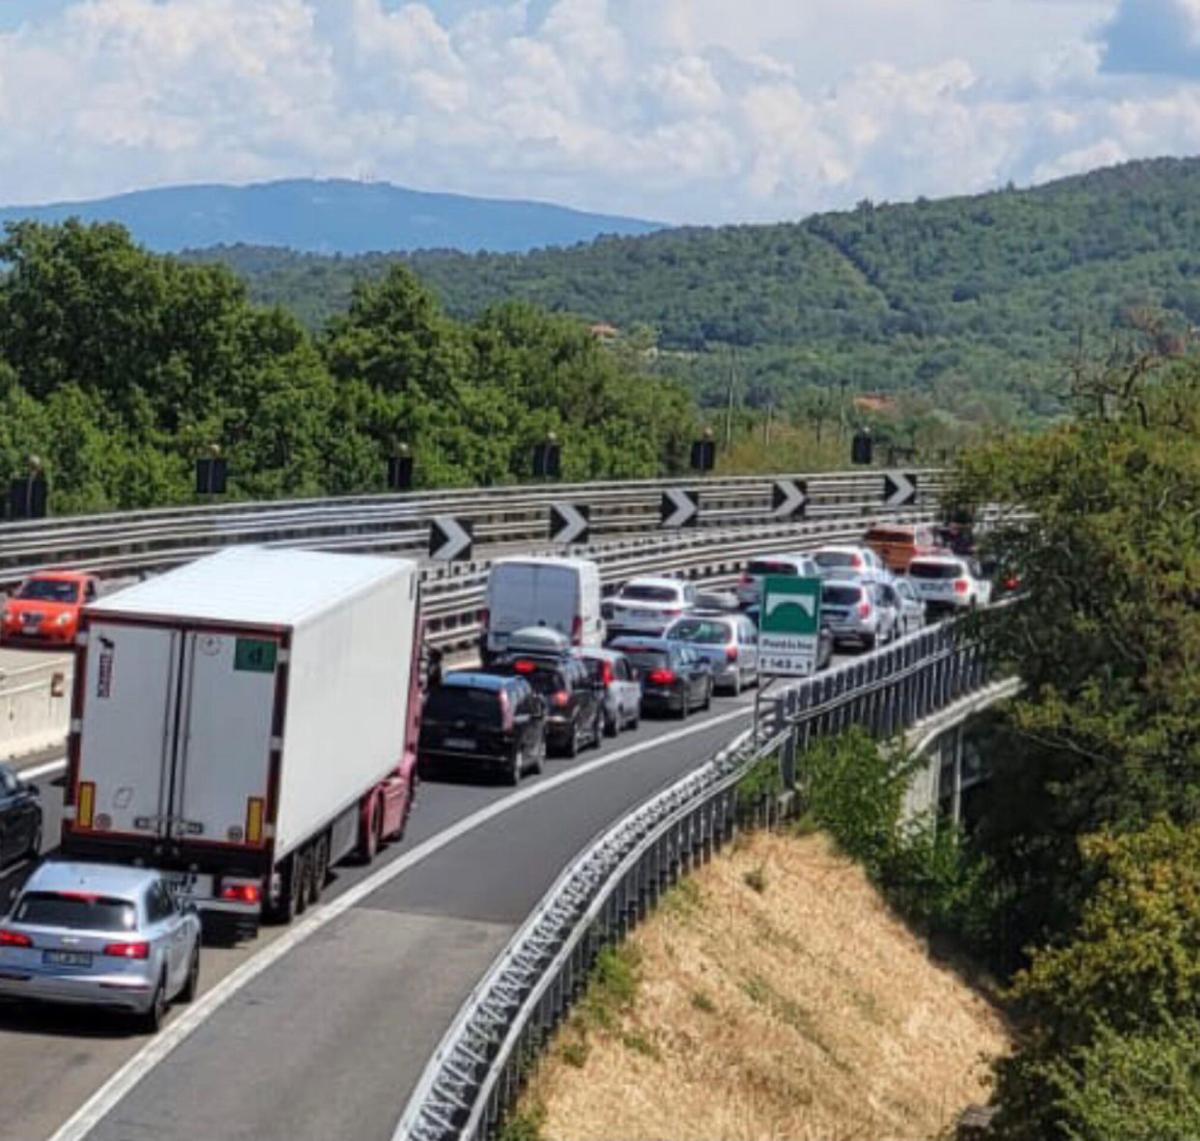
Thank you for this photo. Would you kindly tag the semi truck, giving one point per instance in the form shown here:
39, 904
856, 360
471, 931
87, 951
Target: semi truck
243, 723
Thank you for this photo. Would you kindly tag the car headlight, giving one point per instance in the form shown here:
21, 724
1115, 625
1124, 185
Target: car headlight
62, 620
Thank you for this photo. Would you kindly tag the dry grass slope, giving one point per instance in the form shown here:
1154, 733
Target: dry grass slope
778, 998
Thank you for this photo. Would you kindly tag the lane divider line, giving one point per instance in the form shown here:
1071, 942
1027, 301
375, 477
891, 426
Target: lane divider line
101, 1103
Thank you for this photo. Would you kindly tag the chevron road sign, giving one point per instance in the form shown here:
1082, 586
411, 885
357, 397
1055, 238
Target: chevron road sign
789, 499
450, 538
899, 489
570, 523
680, 508
790, 626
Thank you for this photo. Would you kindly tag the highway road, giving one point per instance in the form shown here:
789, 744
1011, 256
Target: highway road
330, 1037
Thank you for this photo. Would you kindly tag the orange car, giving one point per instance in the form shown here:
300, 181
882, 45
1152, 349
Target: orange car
45, 609
899, 545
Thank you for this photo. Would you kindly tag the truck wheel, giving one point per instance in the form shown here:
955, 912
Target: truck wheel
303, 877
369, 844
320, 869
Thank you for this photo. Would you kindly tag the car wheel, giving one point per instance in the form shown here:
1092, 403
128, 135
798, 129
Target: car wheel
636, 719
512, 772
191, 986
868, 642
611, 725
736, 689
708, 697
685, 704
539, 756
573, 743
152, 1020
598, 729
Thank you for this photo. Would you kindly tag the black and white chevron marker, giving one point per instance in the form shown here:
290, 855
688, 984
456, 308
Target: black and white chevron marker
450, 538
570, 523
680, 508
899, 489
789, 499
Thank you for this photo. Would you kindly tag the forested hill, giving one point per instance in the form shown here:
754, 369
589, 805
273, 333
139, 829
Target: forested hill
975, 301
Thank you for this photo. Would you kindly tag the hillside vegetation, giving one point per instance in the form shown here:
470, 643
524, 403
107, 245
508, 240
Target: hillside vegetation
976, 303
772, 995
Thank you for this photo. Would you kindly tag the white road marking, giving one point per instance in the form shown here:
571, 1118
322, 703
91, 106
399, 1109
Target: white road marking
100, 1104
43, 770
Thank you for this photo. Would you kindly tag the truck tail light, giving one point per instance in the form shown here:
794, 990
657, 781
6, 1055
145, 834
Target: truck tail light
87, 804
560, 699
139, 950
864, 610
254, 819
661, 677
961, 586
241, 892
731, 653
577, 630
14, 939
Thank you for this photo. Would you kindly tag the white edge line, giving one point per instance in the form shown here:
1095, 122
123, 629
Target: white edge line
98, 1106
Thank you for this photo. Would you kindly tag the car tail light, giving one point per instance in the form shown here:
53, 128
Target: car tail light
235, 893
961, 586
606, 672
1012, 582
506, 713
524, 666
856, 562
576, 631
661, 677
673, 613
731, 653
560, 699
14, 939
864, 610
138, 950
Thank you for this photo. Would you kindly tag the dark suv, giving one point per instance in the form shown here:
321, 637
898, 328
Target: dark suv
482, 719
574, 702
675, 678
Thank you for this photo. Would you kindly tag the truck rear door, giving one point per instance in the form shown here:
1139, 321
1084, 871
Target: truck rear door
223, 756
128, 713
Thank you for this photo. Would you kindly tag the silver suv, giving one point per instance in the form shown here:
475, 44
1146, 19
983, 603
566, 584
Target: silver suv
860, 610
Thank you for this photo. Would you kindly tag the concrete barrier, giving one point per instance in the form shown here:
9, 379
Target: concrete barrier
35, 706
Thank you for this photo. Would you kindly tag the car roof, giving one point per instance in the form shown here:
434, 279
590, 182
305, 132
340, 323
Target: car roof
959, 559
653, 580
105, 879
596, 653
632, 642
777, 556
544, 561
477, 679
857, 583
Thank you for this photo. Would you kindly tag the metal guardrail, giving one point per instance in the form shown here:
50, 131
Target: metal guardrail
139, 541
480, 1065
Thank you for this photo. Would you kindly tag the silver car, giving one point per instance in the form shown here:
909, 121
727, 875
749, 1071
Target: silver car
622, 689
858, 611
729, 642
749, 587
842, 561
101, 935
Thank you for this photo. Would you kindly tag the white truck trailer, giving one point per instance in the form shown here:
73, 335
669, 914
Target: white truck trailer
244, 722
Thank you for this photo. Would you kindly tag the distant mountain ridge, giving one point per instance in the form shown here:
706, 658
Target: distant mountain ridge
334, 216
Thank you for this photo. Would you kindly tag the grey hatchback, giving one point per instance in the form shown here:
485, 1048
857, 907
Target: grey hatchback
101, 935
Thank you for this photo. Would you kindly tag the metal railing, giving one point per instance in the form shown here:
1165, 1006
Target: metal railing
139, 541
481, 1063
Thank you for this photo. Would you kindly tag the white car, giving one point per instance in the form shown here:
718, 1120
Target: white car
749, 588
649, 605
844, 561
949, 583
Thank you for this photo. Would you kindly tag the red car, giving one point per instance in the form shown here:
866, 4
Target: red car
45, 609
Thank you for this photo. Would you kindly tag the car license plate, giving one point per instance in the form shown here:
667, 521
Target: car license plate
67, 958
185, 885
464, 744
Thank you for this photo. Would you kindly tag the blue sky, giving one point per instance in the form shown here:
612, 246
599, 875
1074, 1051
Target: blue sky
680, 110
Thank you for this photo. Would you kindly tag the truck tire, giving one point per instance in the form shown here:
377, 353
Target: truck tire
368, 845
320, 868
303, 867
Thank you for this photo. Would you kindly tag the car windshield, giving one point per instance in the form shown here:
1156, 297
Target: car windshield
935, 570
459, 703
636, 592
49, 590
80, 911
840, 595
770, 566
646, 660
829, 559
701, 633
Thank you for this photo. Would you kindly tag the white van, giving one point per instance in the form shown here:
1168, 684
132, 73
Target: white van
563, 594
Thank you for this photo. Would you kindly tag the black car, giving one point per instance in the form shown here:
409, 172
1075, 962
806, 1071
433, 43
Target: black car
483, 719
675, 678
574, 702
20, 818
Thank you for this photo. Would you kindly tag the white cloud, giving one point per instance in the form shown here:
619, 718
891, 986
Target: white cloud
689, 110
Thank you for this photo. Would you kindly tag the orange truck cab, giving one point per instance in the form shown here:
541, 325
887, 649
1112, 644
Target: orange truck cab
899, 545
44, 609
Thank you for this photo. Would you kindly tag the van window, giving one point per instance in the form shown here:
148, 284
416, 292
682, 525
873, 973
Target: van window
526, 594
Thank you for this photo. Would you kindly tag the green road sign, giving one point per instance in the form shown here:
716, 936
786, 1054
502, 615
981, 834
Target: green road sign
789, 626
